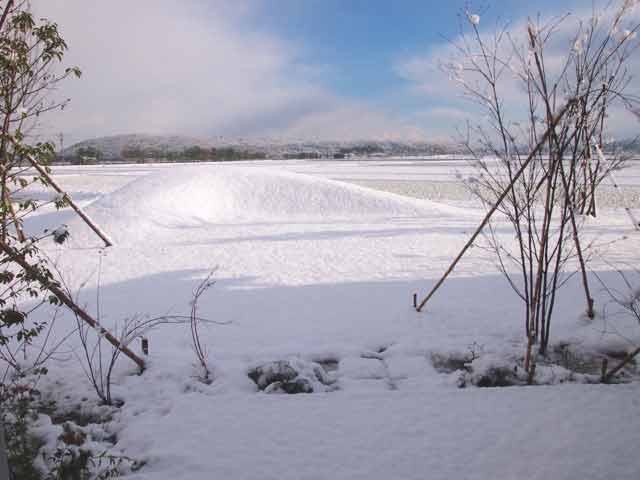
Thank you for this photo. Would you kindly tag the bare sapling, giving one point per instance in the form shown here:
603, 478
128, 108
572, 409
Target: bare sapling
536, 169
99, 355
195, 321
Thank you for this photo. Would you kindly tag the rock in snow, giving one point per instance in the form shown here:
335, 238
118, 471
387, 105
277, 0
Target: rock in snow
291, 376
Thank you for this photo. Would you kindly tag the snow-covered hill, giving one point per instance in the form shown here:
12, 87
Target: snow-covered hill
112, 147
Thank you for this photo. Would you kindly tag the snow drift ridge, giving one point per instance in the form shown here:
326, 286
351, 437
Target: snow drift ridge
200, 195
229, 193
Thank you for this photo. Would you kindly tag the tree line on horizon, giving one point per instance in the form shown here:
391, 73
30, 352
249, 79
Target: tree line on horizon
92, 154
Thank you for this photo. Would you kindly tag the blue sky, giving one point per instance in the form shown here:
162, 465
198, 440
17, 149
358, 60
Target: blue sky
295, 69
360, 40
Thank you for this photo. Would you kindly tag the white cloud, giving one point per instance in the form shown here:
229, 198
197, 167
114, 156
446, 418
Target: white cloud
157, 67
190, 67
349, 121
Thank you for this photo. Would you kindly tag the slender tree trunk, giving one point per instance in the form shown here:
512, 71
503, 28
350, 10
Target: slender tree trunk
542, 249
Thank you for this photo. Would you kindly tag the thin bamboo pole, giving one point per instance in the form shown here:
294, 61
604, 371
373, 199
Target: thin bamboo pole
16, 222
620, 366
33, 272
495, 207
42, 171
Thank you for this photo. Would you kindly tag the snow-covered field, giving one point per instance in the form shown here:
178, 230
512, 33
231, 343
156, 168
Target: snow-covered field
310, 263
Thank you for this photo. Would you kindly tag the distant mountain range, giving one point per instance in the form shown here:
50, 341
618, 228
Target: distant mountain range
180, 147
122, 147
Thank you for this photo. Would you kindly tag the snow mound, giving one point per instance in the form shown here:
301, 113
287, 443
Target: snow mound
220, 194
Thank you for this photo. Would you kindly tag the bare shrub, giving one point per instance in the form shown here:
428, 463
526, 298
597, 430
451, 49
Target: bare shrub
99, 359
194, 322
537, 163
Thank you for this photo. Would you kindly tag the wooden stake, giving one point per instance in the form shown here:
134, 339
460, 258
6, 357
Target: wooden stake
495, 207
68, 301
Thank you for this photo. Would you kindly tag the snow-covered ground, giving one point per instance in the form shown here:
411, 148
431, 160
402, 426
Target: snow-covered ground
310, 265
